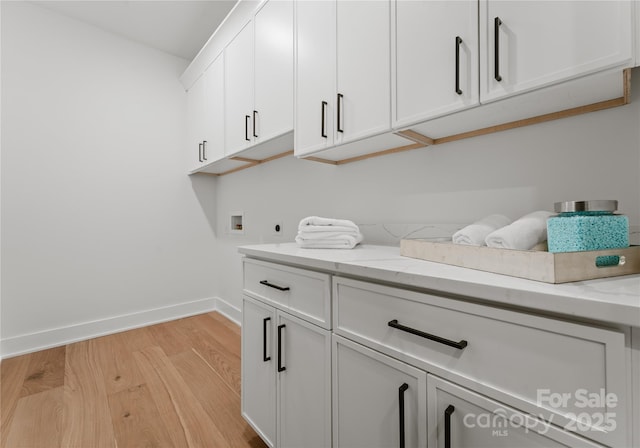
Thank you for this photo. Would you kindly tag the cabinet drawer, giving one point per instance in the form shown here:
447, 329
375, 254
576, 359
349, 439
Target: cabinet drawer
306, 294
474, 420
517, 358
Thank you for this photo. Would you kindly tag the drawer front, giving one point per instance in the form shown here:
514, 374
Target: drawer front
527, 360
462, 418
305, 294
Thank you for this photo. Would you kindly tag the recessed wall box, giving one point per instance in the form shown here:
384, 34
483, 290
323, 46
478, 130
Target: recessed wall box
236, 223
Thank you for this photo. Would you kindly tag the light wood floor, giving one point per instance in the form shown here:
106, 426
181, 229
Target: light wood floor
175, 384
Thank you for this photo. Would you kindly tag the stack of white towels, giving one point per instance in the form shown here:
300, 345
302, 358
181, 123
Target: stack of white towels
327, 233
498, 231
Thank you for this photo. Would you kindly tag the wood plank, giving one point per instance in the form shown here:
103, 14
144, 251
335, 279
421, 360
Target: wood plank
530, 264
228, 323
220, 349
45, 371
626, 85
173, 337
86, 416
12, 374
415, 137
535, 120
220, 329
136, 419
179, 408
161, 410
219, 402
321, 160
114, 355
37, 419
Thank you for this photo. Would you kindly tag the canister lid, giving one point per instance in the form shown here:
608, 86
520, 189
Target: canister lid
586, 206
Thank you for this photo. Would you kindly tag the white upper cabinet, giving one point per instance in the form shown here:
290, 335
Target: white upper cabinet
363, 69
530, 44
213, 146
436, 58
259, 78
273, 27
238, 62
343, 85
196, 120
315, 75
205, 108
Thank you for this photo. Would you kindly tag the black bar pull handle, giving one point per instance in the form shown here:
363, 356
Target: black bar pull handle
281, 368
246, 127
459, 345
204, 150
496, 48
340, 96
255, 115
323, 113
271, 285
447, 425
200, 152
265, 357
401, 391
458, 42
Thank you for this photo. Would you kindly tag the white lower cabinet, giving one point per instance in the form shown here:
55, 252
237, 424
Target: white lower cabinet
377, 401
258, 369
286, 377
461, 418
367, 365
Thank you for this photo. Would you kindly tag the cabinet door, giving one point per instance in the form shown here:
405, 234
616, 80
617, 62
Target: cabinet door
238, 68
461, 418
436, 58
363, 69
304, 383
259, 368
274, 69
195, 115
529, 44
315, 75
213, 144
377, 401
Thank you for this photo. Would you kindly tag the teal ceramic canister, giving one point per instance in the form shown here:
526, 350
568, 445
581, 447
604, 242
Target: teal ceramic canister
587, 225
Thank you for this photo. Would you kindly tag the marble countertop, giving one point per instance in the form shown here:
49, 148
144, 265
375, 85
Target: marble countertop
612, 300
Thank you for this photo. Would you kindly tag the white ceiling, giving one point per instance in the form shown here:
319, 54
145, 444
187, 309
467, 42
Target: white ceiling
179, 27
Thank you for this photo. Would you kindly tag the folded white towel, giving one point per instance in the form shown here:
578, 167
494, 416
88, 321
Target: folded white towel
318, 221
475, 234
339, 242
522, 234
310, 229
327, 233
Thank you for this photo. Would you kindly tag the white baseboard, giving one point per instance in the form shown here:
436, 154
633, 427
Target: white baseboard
229, 311
56, 337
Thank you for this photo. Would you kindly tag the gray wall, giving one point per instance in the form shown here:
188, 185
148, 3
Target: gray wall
591, 156
101, 227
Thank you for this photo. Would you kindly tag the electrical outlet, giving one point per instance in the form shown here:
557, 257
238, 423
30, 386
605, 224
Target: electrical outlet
277, 228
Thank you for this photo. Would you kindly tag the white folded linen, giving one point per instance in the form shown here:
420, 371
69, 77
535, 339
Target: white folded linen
475, 234
523, 233
341, 242
310, 229
327, 233
319, 221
